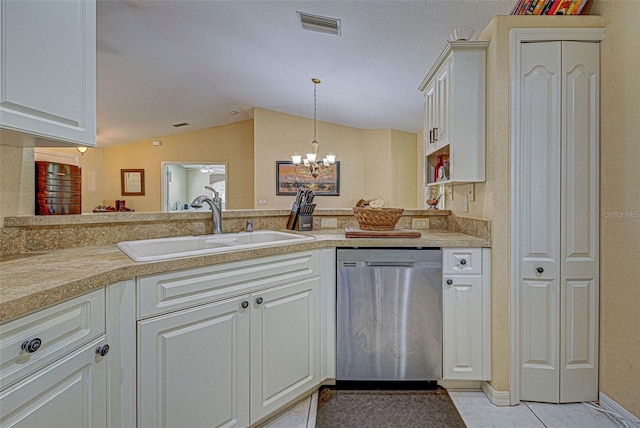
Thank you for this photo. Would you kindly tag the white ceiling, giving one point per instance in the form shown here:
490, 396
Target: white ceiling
166, 62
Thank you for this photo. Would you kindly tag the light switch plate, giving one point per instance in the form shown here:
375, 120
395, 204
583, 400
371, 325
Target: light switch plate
328, 223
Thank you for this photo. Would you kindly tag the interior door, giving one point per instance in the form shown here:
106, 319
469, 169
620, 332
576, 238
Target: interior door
539, 201
558, 199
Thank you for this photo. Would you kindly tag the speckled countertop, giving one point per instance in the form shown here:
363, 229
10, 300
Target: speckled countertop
32, 281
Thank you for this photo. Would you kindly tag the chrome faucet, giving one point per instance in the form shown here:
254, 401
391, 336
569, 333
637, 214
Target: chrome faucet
215, 204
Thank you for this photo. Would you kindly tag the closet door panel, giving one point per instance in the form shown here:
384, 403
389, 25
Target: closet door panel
579, 222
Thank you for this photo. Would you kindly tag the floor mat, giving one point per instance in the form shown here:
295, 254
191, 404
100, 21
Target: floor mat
380, 409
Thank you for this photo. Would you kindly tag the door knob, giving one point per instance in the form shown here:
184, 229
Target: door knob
539, 269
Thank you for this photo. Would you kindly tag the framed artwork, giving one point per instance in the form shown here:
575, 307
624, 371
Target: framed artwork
288, 181
132, 182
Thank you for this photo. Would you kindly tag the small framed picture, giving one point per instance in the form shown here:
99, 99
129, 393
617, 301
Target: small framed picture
289, 179
132, 181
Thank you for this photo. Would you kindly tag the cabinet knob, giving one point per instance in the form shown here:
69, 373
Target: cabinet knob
31, 346
102, 350
463, 262
259, 300
539, 269
431, 136
449, 281
435, 134
244, 304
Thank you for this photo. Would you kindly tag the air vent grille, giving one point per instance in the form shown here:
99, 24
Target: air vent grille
320, 24
179, 125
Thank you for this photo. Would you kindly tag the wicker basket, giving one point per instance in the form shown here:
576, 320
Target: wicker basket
377, 218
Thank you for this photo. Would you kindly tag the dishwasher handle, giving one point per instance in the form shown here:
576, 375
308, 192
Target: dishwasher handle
390, 264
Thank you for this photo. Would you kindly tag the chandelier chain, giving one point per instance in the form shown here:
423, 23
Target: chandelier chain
315, 87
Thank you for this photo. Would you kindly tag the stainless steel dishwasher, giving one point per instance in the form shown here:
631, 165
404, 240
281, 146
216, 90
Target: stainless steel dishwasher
389, 314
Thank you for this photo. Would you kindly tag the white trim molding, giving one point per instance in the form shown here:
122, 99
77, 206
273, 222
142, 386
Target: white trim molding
498, 398
611, 405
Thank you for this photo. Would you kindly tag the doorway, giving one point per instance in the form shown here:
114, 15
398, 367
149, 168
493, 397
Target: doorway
182, 182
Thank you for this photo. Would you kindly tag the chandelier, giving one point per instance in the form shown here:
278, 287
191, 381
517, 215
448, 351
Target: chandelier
312, 165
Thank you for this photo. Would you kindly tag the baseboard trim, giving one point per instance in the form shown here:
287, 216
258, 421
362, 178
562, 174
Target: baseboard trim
498, 398
611, 405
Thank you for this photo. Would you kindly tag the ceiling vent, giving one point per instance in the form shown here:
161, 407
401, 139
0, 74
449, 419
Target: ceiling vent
179, 125
321, 24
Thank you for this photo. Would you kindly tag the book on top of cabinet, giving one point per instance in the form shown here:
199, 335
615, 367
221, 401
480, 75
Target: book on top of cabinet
548, 7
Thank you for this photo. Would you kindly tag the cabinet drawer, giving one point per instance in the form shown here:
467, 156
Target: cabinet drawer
60, 329
177, 290
456, 261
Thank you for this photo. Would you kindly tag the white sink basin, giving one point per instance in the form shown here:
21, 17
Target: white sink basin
185, 246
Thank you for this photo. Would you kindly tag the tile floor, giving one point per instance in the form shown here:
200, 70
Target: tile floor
477, 412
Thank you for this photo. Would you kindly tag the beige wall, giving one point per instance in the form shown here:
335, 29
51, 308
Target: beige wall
620, 203
17, 182
278, 135
232, 144
492, 197
404, 175
620, 193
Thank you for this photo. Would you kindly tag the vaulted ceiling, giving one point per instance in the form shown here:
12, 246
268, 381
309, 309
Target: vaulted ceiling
166, 62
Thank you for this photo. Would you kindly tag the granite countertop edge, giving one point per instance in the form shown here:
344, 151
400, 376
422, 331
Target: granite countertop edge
33, 281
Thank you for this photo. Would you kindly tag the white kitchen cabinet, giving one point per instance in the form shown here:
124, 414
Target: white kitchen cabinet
285, 345
466, 314
72, 392
555, 137
193, 366
454, 91
236, 341
48, 68
52, 372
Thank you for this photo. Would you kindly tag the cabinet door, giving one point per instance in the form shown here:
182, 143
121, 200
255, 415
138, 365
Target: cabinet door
285, 345
193, 367
442, 82
48, 69
72, 392
463, 327
430, 118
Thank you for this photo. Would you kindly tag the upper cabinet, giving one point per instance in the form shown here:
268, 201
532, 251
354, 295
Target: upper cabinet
48, 72
454, 121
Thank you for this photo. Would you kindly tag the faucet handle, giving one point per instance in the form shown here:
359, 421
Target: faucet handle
215, 192
249, 226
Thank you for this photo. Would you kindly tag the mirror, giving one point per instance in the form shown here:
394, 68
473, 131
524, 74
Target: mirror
182, 182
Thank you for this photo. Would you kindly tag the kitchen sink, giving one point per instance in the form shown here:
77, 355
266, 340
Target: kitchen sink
147, 250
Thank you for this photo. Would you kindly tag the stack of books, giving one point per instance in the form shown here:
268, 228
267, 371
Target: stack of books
548, 7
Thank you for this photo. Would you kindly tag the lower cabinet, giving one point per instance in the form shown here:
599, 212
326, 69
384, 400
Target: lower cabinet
285, 345
71, 392
193, 366
466, 314
54, 366
230, 362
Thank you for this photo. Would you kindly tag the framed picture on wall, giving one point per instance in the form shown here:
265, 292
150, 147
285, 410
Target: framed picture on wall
132, 182
288, 181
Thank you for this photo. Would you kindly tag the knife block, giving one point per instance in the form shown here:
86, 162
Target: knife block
304, 222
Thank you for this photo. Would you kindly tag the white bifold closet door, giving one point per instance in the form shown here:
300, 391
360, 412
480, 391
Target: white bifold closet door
558, 212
